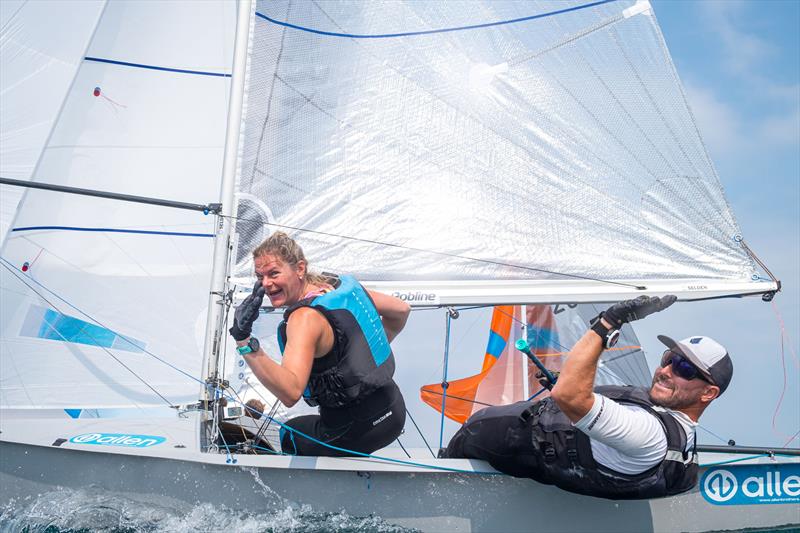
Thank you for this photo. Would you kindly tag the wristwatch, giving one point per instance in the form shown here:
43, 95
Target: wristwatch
251, 347
610, 336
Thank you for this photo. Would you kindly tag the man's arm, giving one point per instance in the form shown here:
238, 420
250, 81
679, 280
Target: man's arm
394, 313
574, 389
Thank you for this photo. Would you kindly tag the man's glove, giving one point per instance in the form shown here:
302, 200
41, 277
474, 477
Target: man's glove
246, 314
631, 310
543, 381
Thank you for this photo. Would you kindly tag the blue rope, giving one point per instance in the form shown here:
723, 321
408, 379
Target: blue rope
740, 459
537, 393
368, 455
444, 377
430, 32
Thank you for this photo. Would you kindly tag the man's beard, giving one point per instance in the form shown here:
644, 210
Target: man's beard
676, 400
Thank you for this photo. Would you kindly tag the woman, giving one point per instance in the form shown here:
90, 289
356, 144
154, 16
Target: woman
335, 341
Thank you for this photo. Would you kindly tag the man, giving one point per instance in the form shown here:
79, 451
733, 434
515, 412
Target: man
610, 442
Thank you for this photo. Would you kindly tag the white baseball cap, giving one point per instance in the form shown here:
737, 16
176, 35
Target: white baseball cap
709, 356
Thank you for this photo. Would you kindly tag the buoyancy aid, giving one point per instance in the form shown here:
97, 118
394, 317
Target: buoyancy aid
361, 360
545, 446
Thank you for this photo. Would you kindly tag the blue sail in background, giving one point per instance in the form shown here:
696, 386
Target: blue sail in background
44, 323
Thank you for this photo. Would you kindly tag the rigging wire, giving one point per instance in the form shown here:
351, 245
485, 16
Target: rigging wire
420, 433
434, 252
448, 318
82, 331
403, 447
793, 437
11, 269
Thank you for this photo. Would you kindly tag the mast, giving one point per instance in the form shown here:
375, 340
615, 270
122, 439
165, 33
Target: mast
222, 243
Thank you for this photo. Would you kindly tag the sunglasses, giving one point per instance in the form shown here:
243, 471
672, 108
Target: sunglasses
681, 366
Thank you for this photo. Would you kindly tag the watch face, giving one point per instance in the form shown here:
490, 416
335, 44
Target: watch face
254, 344
612, 338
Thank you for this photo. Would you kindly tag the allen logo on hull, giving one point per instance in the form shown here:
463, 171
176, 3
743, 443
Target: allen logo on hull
748, 485
118, 439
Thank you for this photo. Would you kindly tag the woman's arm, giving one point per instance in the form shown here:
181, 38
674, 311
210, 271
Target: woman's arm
306, 336
393, 311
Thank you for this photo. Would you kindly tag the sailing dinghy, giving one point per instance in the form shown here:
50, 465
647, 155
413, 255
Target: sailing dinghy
452, 154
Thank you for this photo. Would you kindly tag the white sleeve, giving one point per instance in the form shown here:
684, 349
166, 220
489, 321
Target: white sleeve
637, 436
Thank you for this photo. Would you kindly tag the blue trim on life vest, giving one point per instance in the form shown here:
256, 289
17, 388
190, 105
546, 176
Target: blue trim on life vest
350, 295
496, 344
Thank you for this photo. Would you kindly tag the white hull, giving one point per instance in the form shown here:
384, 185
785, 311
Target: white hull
419, 497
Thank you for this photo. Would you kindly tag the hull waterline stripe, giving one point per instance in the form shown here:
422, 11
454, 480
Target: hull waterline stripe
115, 230
154, 67
429, 32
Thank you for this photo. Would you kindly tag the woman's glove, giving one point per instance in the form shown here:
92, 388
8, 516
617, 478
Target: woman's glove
247, 313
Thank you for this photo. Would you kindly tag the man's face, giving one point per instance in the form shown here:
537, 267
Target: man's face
675, 392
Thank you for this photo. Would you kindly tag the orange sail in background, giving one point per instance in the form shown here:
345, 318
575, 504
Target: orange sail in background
500, 381
544, 341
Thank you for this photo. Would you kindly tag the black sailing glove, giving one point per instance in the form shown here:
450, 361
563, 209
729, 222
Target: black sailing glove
246, 314
631, 310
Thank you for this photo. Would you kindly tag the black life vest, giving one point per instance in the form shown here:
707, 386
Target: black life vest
551, 450
361, 360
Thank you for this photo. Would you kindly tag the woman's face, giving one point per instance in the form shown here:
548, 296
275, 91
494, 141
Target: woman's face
283, 283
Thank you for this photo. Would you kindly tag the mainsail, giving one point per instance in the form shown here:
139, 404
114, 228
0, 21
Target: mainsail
497, 152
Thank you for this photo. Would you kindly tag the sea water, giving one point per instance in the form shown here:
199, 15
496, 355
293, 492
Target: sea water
73, 511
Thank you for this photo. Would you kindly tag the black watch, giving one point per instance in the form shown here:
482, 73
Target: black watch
251, 347
610, 336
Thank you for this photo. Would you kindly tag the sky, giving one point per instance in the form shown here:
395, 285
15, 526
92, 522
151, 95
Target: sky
740, 65
739, 62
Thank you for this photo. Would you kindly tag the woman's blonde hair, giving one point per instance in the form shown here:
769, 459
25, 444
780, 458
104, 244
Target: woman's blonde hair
281, 245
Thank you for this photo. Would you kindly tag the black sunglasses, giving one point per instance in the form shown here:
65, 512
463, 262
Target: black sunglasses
682, 367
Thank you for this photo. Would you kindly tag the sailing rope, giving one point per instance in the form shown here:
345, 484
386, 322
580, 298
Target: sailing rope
83, 331
784, 341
